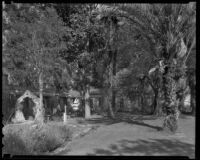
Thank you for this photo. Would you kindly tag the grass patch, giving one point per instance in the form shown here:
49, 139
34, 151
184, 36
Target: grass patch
14, 145
34, 139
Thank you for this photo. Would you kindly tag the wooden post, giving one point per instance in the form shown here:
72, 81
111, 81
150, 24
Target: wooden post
65, 109
65, 115
87, 104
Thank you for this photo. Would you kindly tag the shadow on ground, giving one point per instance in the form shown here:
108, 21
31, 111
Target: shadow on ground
138, 120
153, 147
186, 116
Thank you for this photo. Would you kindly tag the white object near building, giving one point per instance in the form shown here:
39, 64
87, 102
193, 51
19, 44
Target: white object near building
187, 100
65, 115
19, 117
64, 118
75, 104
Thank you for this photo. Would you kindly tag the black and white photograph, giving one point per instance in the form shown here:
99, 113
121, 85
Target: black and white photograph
99, 79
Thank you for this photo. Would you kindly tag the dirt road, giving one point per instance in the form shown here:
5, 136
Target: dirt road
140, 137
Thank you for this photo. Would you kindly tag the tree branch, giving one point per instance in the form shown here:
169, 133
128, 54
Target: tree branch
191, 47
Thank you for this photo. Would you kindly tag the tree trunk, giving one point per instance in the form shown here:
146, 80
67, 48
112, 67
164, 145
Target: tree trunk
107, 102
101, 104
110, 108
113, 63
142, 102
110, 102
121, 103
142, 95
155, 104
192, 99
39, 117
113, 104
87, 104
171, 105
112, 70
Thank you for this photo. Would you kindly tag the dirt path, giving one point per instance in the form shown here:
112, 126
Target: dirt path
136, 138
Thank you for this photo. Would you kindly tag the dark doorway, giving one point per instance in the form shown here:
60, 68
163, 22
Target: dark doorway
27, 110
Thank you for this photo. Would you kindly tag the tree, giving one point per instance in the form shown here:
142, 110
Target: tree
111, 22
35, 39
83, 51
155, 80
133, 63
169, 31
95, 54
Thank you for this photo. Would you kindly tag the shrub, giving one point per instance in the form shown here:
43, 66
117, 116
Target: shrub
170, 123
49, 137
34, 139
14, 145
44, 143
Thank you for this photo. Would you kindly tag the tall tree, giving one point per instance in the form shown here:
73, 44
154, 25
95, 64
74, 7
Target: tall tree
111, 22
169, 31
35, 39
83, 52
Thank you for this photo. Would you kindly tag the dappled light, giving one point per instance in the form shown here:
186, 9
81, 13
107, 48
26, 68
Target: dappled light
152, 147
99, 78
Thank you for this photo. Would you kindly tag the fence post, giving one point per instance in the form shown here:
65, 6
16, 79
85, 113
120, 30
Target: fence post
65, 115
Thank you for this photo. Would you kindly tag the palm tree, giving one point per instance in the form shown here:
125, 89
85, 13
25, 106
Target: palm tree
168, 32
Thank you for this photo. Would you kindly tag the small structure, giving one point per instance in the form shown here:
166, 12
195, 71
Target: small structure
19, 116
75, 105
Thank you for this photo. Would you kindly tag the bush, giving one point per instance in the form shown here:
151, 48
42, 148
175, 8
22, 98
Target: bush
34, 139
44, 143
14, 145
49, 137
170, 123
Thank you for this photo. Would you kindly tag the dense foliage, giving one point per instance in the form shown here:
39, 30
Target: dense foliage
121, 48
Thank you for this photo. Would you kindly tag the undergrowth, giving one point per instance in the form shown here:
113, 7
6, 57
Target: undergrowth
34, 139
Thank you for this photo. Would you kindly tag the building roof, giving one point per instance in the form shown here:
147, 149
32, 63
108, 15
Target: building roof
74, 93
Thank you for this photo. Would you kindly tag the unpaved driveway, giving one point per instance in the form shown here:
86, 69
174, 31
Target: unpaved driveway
139, 137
